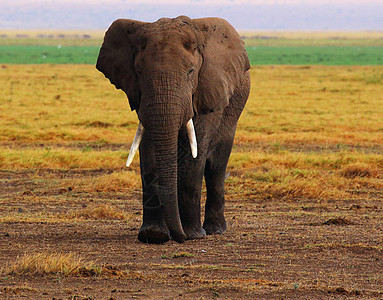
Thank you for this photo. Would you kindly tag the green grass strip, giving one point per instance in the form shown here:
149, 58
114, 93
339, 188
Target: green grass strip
326, 55
260, 55
17, 54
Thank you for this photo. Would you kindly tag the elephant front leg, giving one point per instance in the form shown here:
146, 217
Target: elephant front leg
153, 229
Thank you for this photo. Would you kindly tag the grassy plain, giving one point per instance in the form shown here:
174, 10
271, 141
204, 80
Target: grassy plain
48, 37
304, 195
251, 38
304, 191
67, 117
312, 38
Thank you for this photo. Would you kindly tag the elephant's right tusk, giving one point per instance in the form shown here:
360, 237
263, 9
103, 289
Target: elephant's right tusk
192, 138
135, 144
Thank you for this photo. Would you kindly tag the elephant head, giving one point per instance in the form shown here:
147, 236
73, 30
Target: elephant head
171, 70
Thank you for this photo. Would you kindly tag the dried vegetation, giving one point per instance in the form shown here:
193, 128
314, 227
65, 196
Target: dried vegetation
48, 264
306, 132
304, 191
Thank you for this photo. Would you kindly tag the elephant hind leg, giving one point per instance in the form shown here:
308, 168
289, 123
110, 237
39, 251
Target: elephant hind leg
189, 198
215, 172
190, 209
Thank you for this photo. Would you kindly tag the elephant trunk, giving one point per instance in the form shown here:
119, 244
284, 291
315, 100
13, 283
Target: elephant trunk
164, 127
165, 148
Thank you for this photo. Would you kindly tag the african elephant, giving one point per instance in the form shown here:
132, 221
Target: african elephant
188, 81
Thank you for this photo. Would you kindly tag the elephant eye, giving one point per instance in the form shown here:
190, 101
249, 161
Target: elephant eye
191, 71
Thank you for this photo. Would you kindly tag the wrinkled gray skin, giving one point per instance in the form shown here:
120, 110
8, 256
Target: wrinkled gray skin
173, 70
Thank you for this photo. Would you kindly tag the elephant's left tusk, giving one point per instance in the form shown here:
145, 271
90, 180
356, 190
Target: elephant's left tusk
192, 138
135, 144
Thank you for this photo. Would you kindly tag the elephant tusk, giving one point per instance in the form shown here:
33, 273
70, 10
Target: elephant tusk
135, 144
192, 138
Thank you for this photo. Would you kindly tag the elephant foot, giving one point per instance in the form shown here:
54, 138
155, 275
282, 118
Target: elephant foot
195, 233
215, 227
153, 234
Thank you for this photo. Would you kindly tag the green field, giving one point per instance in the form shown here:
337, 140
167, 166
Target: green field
267, 48
314, 55
259, 55
19, 54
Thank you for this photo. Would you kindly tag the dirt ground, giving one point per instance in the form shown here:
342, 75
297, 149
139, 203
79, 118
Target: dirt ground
303, 249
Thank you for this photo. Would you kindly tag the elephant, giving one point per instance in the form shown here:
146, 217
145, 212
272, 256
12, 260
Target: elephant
188, 81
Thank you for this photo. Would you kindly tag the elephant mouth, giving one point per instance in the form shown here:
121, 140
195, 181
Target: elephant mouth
140, 132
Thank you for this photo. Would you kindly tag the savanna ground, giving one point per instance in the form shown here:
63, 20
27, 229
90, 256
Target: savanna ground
304, 191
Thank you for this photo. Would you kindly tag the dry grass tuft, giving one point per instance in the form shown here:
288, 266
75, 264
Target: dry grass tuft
343, 291
358, 170
102, 211
115, 182
59, 158
48, 264
18, 289
66, 264
311, 175
182, 254
109, 271
295, 189
338, 221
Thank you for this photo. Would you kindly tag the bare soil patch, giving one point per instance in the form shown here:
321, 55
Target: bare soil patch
271, 249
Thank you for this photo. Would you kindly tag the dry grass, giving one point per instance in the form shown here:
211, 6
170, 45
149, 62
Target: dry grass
51, 37
95, 37
44, 263
99, 212
359, 170
117, 181
59, 104
61, 264
314, 35
306, 132
325, 106
316, 105
308, 153
290, 175
314, 38
60, 158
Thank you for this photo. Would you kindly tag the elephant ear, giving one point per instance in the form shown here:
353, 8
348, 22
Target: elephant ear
116, 58
224, 63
